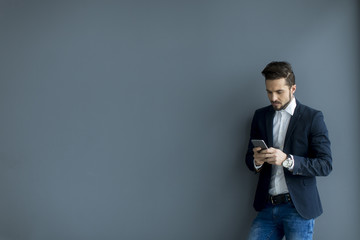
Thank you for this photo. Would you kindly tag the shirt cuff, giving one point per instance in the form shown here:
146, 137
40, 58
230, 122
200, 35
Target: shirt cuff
257, 168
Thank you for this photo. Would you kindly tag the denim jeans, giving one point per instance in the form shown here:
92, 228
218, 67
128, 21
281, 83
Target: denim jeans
275, 222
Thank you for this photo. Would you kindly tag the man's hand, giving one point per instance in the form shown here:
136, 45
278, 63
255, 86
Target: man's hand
259, 157
273, 156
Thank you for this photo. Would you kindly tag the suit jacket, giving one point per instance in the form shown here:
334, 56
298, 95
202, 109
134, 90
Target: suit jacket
307, 140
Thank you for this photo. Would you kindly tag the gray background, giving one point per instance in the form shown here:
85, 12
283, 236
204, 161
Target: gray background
130, 119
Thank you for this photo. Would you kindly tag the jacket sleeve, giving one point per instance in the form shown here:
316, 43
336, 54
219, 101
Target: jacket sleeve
318, 162
256, 132
249, 159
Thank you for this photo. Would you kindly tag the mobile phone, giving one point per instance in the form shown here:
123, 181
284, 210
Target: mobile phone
259, 143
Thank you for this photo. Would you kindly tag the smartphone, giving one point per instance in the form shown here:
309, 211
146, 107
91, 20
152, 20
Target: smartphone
259, 143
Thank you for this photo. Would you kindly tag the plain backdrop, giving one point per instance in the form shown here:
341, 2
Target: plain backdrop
130, 119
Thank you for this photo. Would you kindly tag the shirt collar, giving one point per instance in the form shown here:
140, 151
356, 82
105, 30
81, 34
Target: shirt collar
291, 107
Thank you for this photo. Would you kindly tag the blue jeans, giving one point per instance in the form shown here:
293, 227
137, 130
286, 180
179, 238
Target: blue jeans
275, 222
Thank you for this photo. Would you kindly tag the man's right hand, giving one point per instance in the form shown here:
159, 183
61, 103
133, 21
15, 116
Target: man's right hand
259, 157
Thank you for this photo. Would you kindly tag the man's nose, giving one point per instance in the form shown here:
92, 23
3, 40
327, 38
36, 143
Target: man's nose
273, 97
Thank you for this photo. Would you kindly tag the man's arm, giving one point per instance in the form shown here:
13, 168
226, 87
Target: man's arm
253, 160
319, 160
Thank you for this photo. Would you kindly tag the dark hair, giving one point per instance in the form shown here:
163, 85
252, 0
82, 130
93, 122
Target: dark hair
276, 70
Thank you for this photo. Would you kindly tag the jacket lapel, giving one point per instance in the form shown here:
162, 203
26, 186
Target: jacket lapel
292, 123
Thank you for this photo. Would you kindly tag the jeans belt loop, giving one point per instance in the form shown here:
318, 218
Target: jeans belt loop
272, 200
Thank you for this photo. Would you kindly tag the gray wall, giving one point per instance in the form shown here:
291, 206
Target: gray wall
130, 119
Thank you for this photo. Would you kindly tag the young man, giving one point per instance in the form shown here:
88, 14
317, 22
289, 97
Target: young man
287, 199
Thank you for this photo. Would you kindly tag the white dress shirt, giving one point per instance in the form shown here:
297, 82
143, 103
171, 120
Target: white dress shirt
280, 126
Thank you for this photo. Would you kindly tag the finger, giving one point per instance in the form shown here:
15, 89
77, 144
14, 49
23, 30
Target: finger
271, 161
268, 155
263, 151
271, 150
256, 149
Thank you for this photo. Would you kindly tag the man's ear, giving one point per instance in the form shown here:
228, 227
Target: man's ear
293, 89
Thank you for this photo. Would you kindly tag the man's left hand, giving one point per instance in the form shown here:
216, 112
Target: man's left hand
274, 156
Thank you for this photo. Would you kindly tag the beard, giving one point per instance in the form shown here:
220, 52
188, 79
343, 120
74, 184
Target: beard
282, 107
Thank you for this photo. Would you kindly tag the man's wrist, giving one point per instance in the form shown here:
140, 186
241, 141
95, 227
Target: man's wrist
288, 163
257, 167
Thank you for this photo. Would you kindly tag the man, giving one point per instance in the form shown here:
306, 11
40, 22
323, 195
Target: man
286, 198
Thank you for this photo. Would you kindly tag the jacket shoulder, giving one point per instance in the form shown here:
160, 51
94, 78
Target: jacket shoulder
307, 111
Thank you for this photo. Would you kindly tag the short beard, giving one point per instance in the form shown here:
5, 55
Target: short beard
286, 104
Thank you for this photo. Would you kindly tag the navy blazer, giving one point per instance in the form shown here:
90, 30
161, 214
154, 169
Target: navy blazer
308, 141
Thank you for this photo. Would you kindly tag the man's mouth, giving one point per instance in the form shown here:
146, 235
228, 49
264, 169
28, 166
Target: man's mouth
275, 103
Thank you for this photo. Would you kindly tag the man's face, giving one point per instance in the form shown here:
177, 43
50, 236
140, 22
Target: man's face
279, 93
